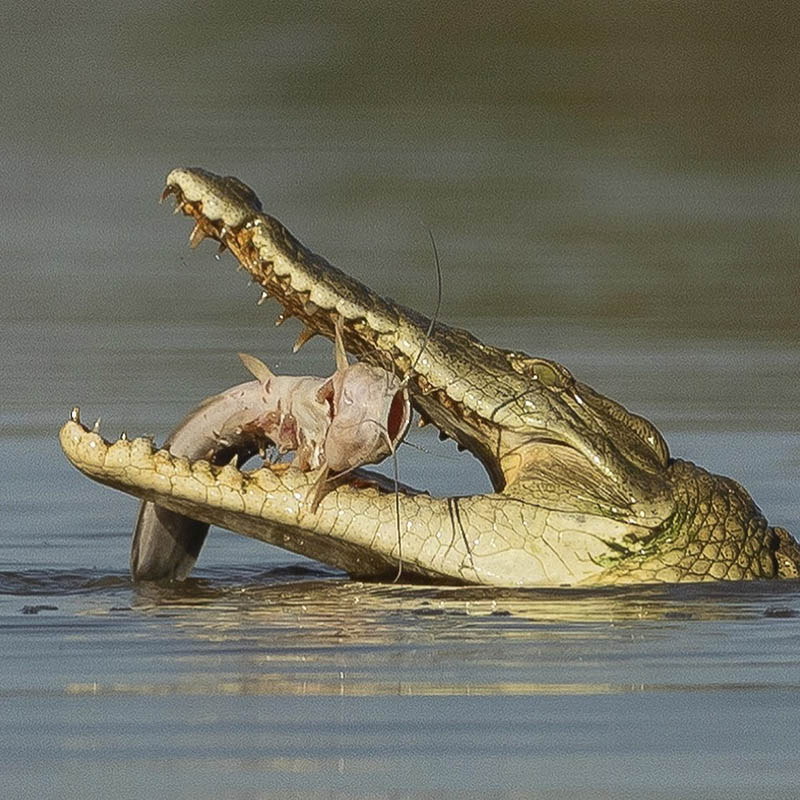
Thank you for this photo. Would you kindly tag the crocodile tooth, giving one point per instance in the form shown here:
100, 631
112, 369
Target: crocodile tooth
261, 299
282, 317
234, 462
123, 437
75, 414
422, 422
96, 426
178, 205
306, 334
197, 235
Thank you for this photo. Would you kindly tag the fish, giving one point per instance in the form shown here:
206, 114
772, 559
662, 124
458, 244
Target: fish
334, 425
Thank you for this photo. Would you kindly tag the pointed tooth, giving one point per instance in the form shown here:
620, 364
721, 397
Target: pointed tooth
123, 437
261, 299
305, 334
339, 352
96, 426
282, 317
234, 462
178, 206
75, 414
196, 236
422, 422
262, 451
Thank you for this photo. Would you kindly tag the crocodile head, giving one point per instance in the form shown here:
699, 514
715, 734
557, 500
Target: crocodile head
584, 490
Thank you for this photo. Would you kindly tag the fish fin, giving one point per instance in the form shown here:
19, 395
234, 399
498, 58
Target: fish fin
257, 367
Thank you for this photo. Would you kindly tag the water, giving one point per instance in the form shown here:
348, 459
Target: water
610, 186
248, 682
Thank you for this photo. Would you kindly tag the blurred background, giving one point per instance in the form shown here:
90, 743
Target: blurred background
614, 185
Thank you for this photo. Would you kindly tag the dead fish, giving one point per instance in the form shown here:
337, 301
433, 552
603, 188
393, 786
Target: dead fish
355, 417
369, 415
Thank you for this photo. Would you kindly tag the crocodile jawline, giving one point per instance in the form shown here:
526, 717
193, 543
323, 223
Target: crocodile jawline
585, 491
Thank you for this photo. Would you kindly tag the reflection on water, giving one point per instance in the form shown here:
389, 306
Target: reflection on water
455, 641
286, 676
287, 631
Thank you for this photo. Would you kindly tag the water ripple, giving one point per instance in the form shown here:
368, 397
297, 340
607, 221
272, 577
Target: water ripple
60, 582
209, 582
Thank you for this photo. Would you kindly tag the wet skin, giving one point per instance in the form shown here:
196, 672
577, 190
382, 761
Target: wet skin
584, 491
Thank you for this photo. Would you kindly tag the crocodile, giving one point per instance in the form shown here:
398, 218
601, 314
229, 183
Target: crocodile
584, 492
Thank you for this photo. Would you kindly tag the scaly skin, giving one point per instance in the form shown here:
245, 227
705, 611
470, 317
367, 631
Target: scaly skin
585, 492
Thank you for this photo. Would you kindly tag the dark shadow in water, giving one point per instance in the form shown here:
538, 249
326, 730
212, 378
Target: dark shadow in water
308, 586
56, 582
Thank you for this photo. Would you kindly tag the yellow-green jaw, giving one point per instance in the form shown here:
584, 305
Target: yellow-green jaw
487, 539
585, 491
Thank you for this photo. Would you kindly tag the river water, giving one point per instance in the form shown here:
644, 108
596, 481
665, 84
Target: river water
611, 185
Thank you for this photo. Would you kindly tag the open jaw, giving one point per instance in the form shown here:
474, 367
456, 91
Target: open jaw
584, 491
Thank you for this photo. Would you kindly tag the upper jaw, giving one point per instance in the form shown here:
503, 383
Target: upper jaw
502, 406
443, 388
